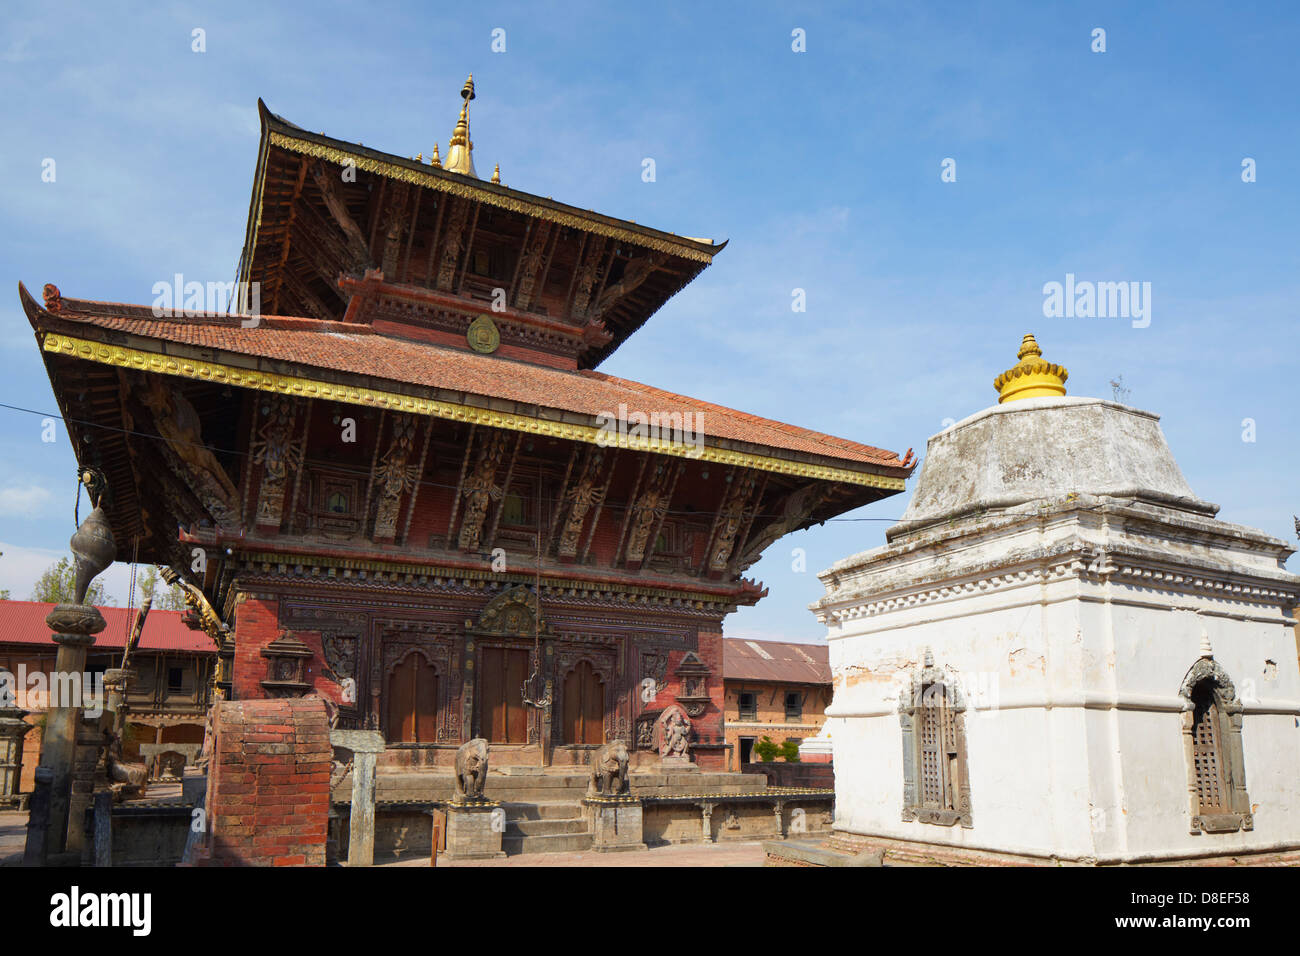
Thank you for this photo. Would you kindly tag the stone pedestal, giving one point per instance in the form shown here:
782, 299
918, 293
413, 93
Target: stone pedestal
13, 729
365, 745
677, 764
474, 830
615, 823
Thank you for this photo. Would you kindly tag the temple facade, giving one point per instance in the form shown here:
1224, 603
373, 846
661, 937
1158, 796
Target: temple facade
1062, 655
400, 481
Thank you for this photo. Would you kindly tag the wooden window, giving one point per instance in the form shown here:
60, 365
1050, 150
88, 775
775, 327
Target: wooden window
412, 701
1207, 755
175, 679
793, 707
584, 706
1216, 766
337, 503
748, 705
504, 670
935, 781
515, 511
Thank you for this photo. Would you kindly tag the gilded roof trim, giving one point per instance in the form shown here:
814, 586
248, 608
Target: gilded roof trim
491, 197
123, 357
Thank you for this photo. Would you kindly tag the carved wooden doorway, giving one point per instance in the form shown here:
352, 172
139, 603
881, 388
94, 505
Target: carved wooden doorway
584, 706
412, 701
502, 673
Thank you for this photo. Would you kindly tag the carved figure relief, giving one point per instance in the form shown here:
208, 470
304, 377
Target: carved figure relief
636, 271
178, 423
730, 518
673, 732
480, 489
278, 454
647, 511
396, 475
581, 498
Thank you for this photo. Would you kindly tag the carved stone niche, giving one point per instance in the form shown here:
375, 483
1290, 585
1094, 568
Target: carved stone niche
693, 674
286, 667
645, 729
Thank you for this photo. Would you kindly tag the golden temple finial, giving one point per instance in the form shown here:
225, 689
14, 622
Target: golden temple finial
435, 160
460, 150
496, 174
1031, 377
419, 157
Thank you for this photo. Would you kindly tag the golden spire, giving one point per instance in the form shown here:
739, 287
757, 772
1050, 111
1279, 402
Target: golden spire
435, 160
496, 174
460, 150
1031, 377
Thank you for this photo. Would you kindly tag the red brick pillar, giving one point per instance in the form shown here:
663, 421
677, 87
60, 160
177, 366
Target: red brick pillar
269, 784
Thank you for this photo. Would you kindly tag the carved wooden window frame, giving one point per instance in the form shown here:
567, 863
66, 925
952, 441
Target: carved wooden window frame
934, 688
1231, 759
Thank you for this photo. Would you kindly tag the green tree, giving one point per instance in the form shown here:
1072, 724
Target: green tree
766, 749
4, 595
172, 597
789, 751
58, 585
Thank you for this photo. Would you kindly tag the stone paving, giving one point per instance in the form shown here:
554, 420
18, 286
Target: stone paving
13, 836
686, 854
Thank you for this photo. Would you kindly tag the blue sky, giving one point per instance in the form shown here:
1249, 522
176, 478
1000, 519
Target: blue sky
822, 168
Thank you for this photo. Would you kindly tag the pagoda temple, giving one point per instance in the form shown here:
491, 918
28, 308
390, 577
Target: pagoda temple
392, 475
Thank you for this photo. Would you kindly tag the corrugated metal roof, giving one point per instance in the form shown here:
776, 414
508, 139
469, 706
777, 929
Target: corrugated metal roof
23, 622
775, 661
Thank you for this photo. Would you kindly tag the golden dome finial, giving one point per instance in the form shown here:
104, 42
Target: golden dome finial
460, 151
496, 174
435, 159
1031, 377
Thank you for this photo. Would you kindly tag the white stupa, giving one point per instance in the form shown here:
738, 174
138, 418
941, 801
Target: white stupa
1061, 654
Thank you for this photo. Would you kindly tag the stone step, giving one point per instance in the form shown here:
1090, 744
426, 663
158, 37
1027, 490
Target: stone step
528, 828
548, 843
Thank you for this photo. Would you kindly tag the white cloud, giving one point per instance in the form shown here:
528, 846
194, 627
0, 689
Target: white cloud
23, 501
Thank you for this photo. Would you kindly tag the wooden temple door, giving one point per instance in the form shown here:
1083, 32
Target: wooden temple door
501, 688
412, 701
584, 706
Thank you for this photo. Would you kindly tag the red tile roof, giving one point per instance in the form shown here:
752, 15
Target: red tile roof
23, 622
358, 350
776, 661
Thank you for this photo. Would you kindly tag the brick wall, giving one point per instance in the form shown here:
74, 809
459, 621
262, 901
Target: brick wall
268, 784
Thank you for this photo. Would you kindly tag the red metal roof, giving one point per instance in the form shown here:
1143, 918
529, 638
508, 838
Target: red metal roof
23, 622
776, 661
359, 350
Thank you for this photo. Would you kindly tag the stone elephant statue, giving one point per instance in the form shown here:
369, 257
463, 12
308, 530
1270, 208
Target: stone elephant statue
608, 770
471, 769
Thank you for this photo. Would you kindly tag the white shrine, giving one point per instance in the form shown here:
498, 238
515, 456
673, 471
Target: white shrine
1061, 655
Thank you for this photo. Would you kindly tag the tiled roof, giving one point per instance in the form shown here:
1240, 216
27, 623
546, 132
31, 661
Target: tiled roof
23, 622
775, 661
357, 350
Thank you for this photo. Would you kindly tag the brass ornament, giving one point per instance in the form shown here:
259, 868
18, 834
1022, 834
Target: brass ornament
483, 335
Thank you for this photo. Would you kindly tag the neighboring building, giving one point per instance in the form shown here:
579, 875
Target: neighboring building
168, 696
1062, 655
772, 689
415, 493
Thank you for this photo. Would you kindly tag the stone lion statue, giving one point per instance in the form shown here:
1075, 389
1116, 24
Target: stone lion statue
608, 770
471, 769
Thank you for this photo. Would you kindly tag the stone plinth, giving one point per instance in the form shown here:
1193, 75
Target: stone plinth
474, 830
365, 745
615, 823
